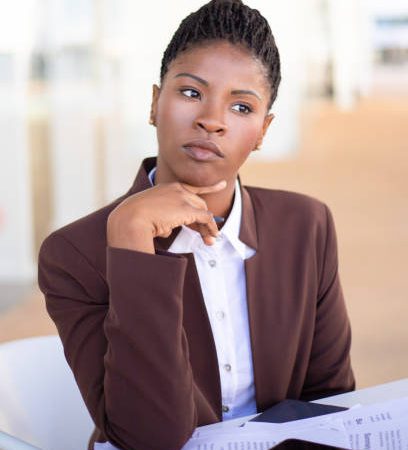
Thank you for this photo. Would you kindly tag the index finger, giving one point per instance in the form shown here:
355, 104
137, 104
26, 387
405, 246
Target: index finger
205, 189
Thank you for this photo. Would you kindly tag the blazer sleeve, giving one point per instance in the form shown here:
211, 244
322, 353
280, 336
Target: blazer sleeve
329, 370
124, 341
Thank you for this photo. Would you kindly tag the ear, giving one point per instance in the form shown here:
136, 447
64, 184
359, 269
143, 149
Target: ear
153, 107
267, 121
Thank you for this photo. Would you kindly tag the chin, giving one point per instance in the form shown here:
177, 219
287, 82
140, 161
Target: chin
200, 178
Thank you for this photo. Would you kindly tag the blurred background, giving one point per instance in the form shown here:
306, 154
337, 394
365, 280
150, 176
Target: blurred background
75, 87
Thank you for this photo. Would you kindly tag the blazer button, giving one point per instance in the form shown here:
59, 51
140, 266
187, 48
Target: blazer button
225, 408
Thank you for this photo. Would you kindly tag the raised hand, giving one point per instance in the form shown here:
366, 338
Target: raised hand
157, 211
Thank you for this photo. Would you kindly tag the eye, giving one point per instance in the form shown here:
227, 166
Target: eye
242, 108
189, 92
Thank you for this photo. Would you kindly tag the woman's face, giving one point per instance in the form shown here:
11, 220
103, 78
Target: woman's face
210, 112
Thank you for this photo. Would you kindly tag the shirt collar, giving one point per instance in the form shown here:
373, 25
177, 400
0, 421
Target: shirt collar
185, 240
152, 175
230, 230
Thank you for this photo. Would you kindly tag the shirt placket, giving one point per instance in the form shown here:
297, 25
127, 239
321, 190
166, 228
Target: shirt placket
222, 327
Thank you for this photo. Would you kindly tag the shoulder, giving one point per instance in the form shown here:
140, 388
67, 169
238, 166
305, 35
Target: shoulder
286, 206
83, 238
294, 220
295, 224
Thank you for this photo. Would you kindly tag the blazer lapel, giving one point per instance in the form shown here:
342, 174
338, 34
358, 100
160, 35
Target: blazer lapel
264, 291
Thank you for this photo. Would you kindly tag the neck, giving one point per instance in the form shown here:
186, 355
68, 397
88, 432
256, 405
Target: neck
220, 203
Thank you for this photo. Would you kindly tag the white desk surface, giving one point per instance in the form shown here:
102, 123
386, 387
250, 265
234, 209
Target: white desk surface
8, 442
368, 396
375, 394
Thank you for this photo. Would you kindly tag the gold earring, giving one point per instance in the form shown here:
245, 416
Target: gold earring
151, 121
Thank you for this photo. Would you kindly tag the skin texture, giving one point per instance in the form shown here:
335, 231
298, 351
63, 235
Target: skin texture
218, 92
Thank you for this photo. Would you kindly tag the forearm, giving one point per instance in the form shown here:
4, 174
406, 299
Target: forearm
147, 356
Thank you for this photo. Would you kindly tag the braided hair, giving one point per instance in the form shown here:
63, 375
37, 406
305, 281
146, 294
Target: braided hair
234, 22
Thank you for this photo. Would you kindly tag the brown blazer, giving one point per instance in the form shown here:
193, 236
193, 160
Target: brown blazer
136, 332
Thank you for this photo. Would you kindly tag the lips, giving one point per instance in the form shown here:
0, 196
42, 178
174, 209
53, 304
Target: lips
203, 150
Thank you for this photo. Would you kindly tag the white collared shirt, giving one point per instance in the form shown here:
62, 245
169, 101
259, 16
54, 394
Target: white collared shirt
221, 272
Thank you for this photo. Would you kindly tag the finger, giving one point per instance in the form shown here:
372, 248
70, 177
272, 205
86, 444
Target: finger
203, 222
205, 233
207, 226
205, 189
209, 240
164, 234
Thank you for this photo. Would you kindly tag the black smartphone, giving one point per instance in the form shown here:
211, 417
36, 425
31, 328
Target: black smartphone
298, 444
289, 410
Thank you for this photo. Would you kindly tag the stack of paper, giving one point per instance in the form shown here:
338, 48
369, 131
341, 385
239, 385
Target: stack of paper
379, 426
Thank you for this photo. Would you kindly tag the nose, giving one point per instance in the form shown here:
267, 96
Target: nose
211, 123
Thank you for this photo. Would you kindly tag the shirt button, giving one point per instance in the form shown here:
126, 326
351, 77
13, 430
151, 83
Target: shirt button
225, 408
220, 315
212, 262
227, 367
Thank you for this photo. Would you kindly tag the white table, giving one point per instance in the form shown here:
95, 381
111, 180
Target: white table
368, 396
8, 442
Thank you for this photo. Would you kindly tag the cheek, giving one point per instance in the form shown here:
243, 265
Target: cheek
247, 136
172, 117
171, 110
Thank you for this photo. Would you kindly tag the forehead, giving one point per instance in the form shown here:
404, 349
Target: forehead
223, 63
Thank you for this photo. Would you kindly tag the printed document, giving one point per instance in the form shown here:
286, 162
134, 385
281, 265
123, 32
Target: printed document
383, 426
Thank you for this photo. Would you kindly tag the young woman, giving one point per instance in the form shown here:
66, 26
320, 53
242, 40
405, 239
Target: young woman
193, 299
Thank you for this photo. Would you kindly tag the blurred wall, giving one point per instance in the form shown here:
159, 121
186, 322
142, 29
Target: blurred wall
76, 103
75, 80
16, 219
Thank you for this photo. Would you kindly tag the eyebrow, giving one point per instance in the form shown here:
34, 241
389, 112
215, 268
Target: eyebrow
205, 83
195, 77
245, 92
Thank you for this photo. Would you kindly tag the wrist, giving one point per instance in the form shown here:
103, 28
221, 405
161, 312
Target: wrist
137, 235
